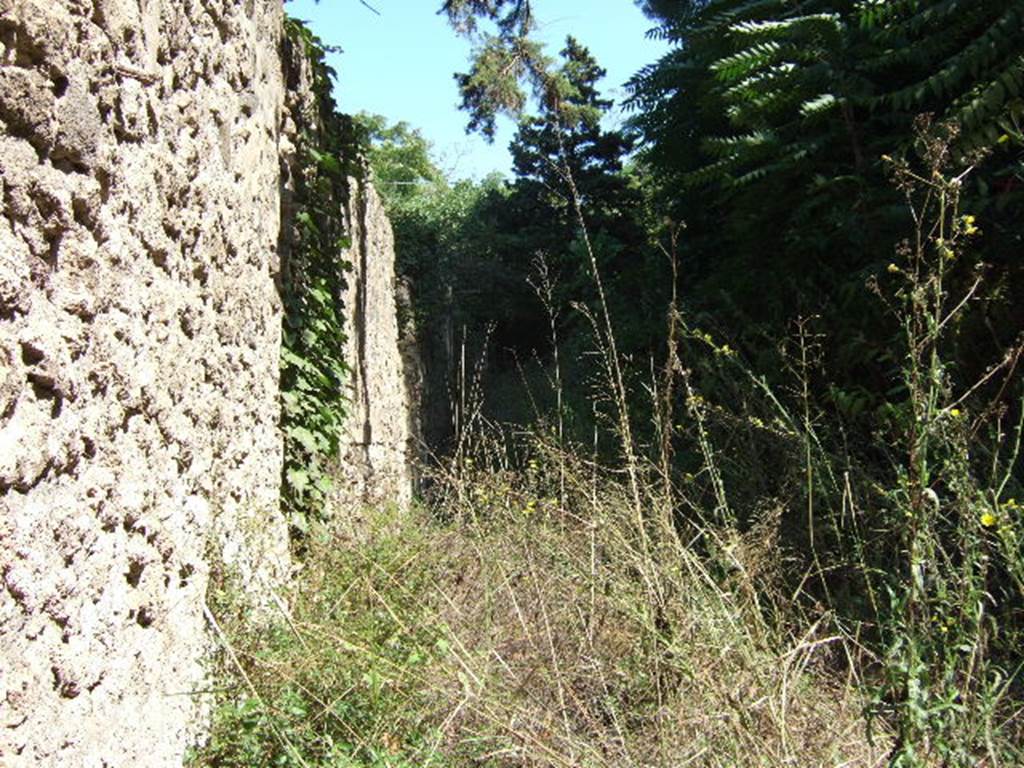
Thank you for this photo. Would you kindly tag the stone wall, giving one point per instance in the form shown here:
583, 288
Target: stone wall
139, 353
146, 152
382, 442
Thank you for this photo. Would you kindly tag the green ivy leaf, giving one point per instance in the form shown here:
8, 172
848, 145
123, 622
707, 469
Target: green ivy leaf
304, 437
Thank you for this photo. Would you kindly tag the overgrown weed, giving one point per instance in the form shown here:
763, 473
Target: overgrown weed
525, 630
746, 585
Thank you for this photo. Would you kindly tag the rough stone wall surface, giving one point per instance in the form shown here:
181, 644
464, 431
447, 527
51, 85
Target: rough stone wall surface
410, 347
139, 353
379, 454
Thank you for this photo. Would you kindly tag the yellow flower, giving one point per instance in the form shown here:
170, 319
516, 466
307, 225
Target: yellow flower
988, 520
893, 269
1003, 139
955, 413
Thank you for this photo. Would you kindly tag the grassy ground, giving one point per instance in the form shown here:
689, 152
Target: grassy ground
521, 631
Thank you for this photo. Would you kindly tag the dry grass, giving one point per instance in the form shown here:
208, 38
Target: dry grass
598, 651
525, 631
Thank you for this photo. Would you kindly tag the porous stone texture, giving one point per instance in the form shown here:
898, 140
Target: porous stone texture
139, 352
377, 460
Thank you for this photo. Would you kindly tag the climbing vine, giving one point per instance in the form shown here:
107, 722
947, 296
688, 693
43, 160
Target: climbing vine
314, 373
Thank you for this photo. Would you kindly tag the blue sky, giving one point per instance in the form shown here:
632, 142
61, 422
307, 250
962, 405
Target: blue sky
400, 64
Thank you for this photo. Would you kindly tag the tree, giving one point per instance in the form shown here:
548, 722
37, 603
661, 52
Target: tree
566, 143
399, 156
766, 123
767, 77
564, 151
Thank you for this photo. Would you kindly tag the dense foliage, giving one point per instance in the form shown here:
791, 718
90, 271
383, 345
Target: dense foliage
774, 116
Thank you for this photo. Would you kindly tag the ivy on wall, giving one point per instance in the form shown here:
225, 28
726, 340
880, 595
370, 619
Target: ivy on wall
314, 374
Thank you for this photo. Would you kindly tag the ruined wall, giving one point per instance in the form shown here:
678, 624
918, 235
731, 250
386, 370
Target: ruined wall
376, 465
147, 149
139, 346
381, 441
